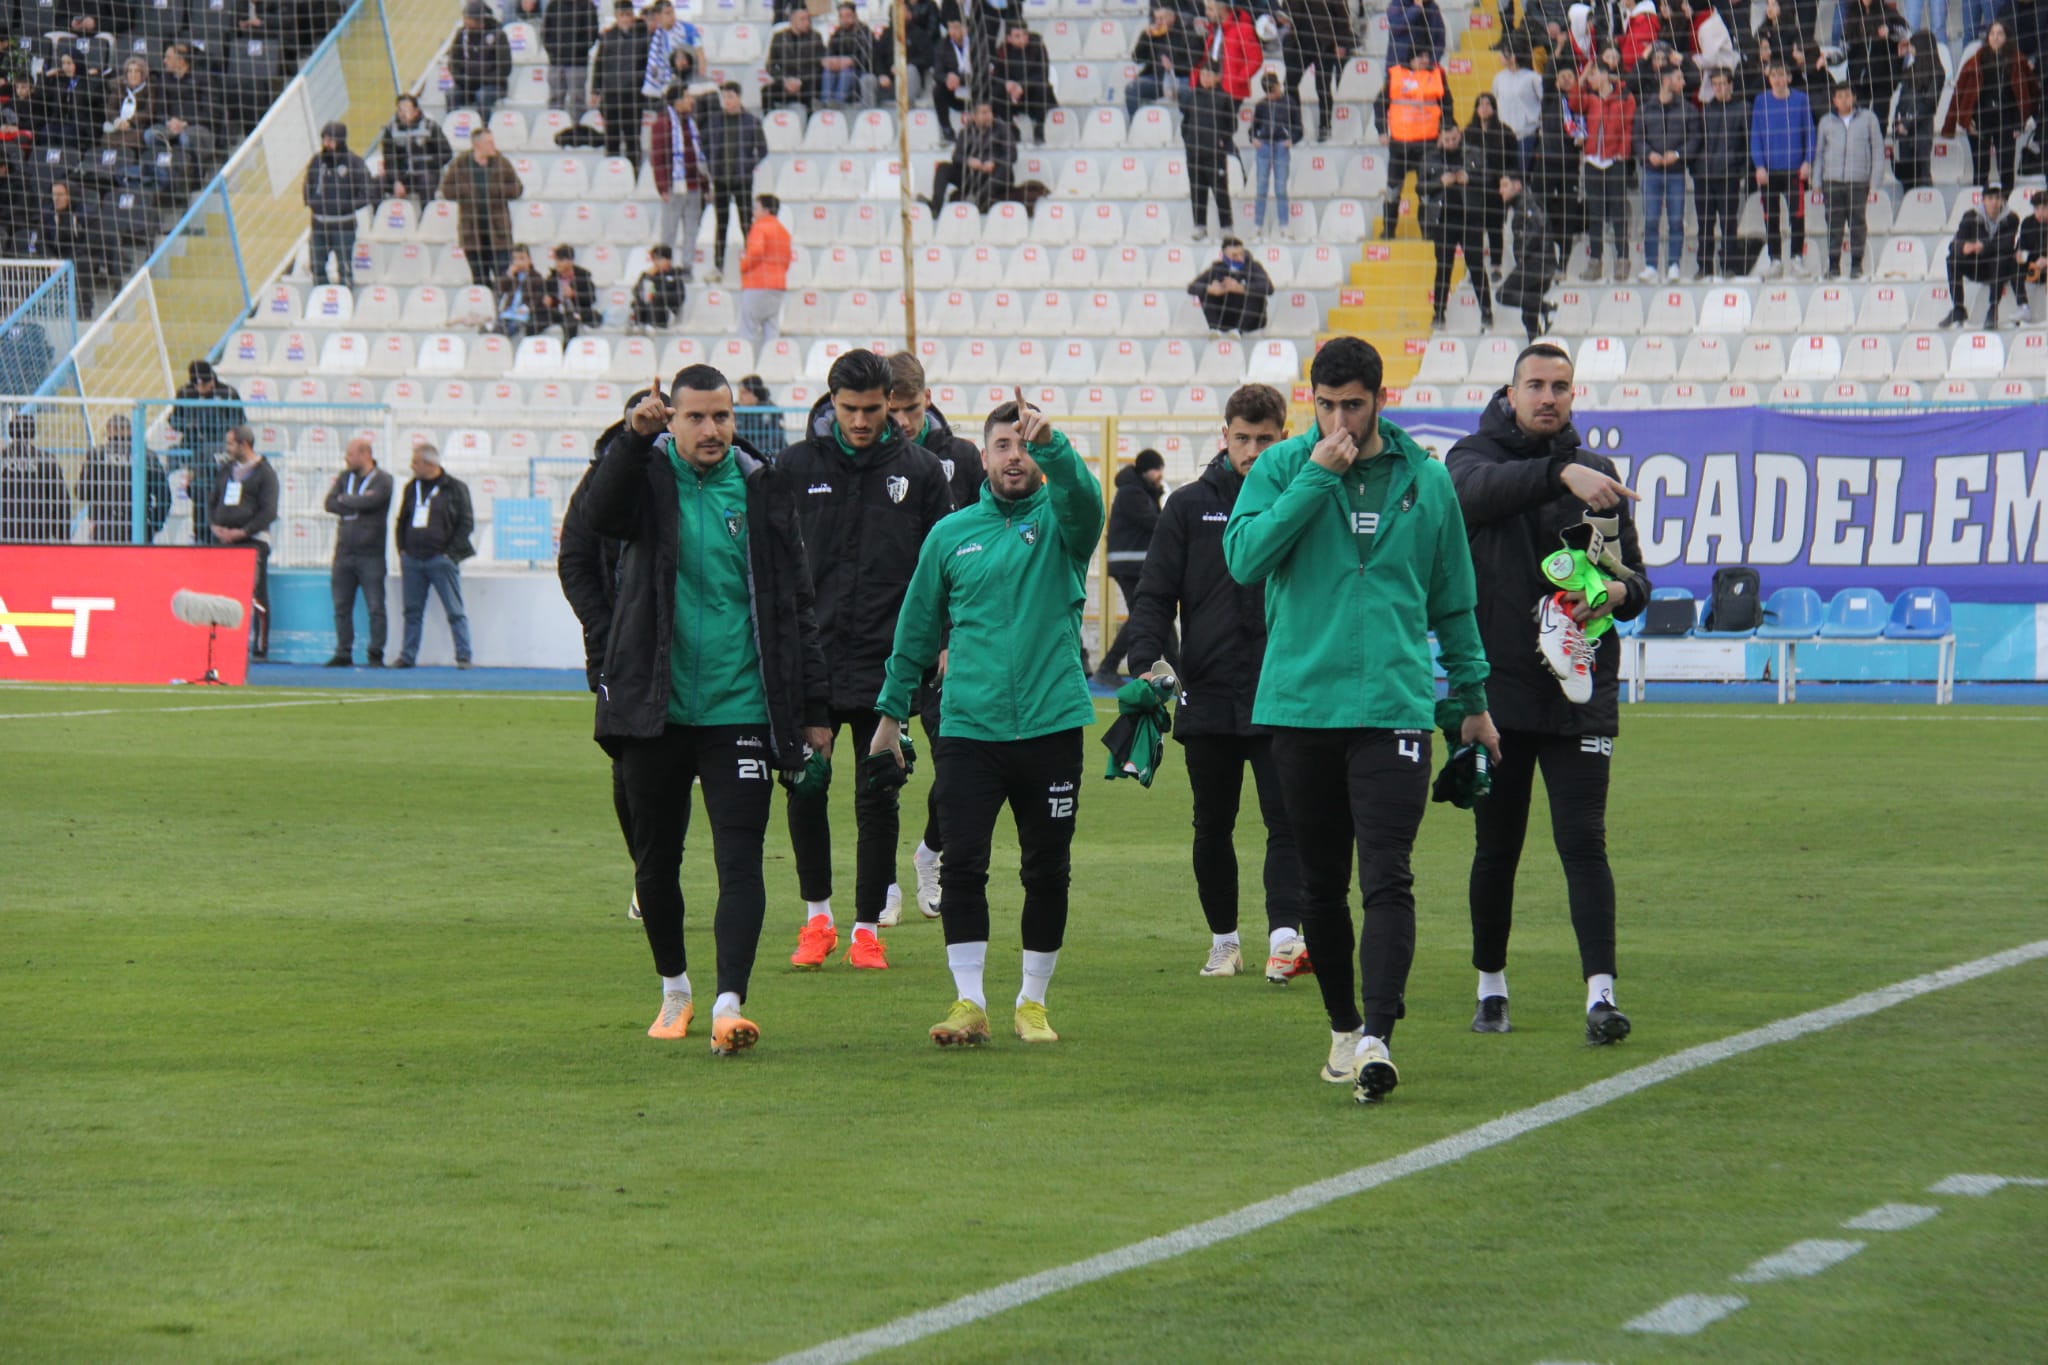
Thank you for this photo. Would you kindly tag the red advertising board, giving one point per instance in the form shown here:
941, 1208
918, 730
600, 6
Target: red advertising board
102, 613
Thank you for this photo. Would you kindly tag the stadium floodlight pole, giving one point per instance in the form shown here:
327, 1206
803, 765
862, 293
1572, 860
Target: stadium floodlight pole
905, 202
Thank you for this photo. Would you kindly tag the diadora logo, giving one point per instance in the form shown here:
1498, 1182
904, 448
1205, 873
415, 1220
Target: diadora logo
898, 486
1602, 745
72, 613
972, 547
1215, 516
819, 488
748, 742
1061, 787
1365, 523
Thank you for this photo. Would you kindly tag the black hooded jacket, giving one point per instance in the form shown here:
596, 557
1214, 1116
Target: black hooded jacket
959, 457
863, 523
1515, 504
1133, 515
588, 565
630, 496
1222, 622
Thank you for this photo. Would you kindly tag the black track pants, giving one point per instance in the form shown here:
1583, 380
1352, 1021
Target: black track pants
1040, 781
1575, 771
875, 818
1216, 765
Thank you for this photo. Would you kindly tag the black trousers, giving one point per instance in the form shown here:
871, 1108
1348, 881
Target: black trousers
1607, 204
1362, 789
726, 197
1216, 765
1302, 54
1209, 180
875, 818
1234, 313
1575, 771
486, 266
1036, 102
259, 620
1994, 154
1127, 584
1402, 158
928, 717
1784, 186
1451, 237
622, 127
945, 101
654, 776
355, 573
1040, 780
1997, 272
1717, 205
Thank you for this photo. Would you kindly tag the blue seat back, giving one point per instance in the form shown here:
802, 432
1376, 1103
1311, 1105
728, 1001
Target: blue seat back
1855, 614
1792, 614
1920, 614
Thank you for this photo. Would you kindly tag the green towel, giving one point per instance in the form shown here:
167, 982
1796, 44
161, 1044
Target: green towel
816, 778
1136, 740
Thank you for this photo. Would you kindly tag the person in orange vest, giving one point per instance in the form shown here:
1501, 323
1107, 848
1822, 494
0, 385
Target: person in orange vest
764, 274
1412, 108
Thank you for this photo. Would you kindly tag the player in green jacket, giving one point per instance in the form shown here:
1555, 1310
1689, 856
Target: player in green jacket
1010, 574
1356, 534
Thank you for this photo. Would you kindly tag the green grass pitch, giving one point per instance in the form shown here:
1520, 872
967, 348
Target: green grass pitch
324, 1041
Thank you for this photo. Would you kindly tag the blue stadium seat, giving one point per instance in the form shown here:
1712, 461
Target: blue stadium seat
1920, 614
1855, 614
1792, 614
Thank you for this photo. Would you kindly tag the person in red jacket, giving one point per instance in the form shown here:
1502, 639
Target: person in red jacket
1232, 46
1640, 33
1610, 114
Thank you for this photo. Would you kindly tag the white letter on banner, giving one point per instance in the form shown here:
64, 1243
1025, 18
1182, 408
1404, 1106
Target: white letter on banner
1885, 519
1836, 479
1781, 484
2016, 509
1952, 542
1716, 514
1662, 541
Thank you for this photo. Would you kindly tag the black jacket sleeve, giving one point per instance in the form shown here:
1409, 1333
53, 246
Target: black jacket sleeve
464, 518
612, 490
581, 568
398, 526
1136, 510
1494, 490
1151, 623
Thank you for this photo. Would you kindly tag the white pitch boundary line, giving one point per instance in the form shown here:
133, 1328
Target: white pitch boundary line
1002, 1298
215, 706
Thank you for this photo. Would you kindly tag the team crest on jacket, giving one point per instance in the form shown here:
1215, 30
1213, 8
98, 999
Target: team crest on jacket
947, 465
898, 486
1028, 530
733, 522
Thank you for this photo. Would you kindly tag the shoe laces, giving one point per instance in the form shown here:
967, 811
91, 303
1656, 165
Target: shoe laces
672, 1005
1219, 954
1582, 650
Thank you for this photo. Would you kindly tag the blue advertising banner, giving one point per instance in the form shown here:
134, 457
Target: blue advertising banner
522, 528
1957, 501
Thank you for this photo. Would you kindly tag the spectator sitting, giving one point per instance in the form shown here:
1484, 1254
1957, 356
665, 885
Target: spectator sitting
569, 29
924, 29
1232, 49
980, 170
849, 62
952, 76
17, 215
1414, 26
131, 107
659, 293
755, 420
1164, 51
64, 110
479, 60
337, 185
416, 151
1022, 80
570, 299
1233, 291
184, 107
1985, 249
796, 65
35, 507
106, 487
519, 291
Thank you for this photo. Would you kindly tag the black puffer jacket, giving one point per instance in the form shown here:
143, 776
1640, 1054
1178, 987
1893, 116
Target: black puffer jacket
588, 565
1133, 516
1509, 486
1222, 622
959, 457
630, 496
863, 524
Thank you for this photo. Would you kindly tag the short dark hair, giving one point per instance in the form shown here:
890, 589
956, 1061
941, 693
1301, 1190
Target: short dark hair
1347, 360
700, 379
858, 371
753, 384
1229, 242
565, 252
1148, 459
769, 204
1005, 414
1257, 404
2040, 199
906, 376
1993, 191
662, 251
1015, 25
1541, 350
731, 87
1839, 87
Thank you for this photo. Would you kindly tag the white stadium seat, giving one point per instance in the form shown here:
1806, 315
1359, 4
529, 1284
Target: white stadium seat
1977, 355
1601, 359
1814, 358
1706, 359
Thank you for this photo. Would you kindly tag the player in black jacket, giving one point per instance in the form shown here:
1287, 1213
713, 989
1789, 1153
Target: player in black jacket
866, 497
1523, 479
1223, 645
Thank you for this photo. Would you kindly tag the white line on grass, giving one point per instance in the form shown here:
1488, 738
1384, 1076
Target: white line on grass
987, 1303
1798, 1261
1686, 1314
216, 706
1891, 1218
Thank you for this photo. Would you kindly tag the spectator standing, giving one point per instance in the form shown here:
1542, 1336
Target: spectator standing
952, 76
1535, 257
1985, 249
1164, 51
1414, 26
205, 412
1518, 95
570, 299
338, 184
764, 274
1995, 96
1208, 133
106, 488
682, 173
1869, 28
482, 185
1021, 80
756, 420
735, 147
569, 29
1412, 108
1913, 117
35, 507
416, 151
1233, 291
1495, 153
616, 68
660, 292
796, 65
979, 171
1133, 518
1560, 155
666, 36
2026, 24
433, 527
1849, 159
1321, 38
71, 231
849, 76
131, 107
479, 60
244, 508
1639, 33
1778, 29
1453, 179
1276, 129
1720, 176
1668, 139
361, 497
1781, 151
1232, 50
1610, 114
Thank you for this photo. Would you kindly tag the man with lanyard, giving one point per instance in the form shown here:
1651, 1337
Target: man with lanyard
712, 671
680, 175
1525, 484
954, 85
1010, 575
866, 499
432, 531
1223, 644
1355, 532
361, 495
244, 508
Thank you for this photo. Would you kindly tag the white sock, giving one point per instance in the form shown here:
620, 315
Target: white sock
1037, 975
967, 961
727, 1006
1599, 987
1337, 1036
813, 909
1367, 1041
861, 926
925, 856
1282, 935
672, 985
1495, 983
1218, 940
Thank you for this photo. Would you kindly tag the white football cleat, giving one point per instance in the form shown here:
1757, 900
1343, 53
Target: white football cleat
928, 884
1566, 651
633, 906
892, 908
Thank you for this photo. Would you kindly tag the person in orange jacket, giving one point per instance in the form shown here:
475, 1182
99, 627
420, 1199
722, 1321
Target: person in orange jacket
764, 274
1231, 46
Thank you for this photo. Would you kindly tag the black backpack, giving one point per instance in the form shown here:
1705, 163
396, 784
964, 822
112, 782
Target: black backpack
1668, 616
1737, 601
